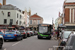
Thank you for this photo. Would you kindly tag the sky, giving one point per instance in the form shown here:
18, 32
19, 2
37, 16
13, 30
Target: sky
47, 9
70, 1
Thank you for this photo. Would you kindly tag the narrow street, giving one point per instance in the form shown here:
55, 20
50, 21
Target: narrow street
31, 43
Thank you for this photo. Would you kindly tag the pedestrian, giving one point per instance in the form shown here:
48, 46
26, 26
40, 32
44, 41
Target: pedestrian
54, 34
1, 33
58, 34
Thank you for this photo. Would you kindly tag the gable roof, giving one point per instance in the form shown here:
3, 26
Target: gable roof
35, 16
9, 7
0, 4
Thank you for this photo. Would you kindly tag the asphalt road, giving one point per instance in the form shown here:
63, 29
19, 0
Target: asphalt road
30, 43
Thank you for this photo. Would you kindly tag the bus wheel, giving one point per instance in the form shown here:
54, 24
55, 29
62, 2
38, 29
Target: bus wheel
49, 38
38, 37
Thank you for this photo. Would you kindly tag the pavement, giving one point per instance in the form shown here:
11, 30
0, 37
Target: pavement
30, 43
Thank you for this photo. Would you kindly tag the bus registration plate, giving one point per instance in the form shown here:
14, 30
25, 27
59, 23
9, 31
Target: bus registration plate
44, 37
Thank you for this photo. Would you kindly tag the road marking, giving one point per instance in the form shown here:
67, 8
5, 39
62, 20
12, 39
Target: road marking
50, 48
5, 49
24, 39
15, 44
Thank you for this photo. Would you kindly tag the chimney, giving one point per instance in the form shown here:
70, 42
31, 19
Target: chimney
36, 13
4, 2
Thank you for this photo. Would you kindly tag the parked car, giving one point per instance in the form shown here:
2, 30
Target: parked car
12, 35
32, 33
64, 37
1, 41
71, 33
35, 32
70, 44
28, 33
23, 33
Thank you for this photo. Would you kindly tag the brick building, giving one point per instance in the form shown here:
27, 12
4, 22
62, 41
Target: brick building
69, 12
34, 21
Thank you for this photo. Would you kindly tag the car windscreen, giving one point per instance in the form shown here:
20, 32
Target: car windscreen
31, 31
71, 41
66, 34
27, 31
9, 32
43, 29
22, 31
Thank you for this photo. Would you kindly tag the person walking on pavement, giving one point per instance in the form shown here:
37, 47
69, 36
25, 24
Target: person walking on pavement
57, 34
1, 33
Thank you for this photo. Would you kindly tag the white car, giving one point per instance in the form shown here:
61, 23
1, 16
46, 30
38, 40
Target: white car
1, 41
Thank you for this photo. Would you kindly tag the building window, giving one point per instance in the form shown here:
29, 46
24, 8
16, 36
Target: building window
20, 16
11, 20
34, 21
38, 21
17, 15
5, 21
24, 22
17, 22
20, 23
74, 15
30, 21
8, 14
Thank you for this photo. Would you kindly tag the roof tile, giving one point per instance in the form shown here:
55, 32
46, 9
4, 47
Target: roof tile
35, 16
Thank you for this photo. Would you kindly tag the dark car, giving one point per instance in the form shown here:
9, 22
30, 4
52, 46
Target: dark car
12, 35
70, 44
23, 33
28, 33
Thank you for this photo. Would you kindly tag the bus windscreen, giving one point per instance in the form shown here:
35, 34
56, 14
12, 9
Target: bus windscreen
43, 29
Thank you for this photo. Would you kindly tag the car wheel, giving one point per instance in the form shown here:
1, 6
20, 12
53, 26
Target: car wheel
1, 43
17, 39
26, 36
33, 34
21, 38
4, 40
0, 46
29, 35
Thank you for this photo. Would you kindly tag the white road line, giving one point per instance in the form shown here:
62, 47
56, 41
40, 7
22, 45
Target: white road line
50, 48
5, 49
15, 44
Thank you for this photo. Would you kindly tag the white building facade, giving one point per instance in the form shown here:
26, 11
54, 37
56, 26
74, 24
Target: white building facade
9, 13
26, 19
56, 24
